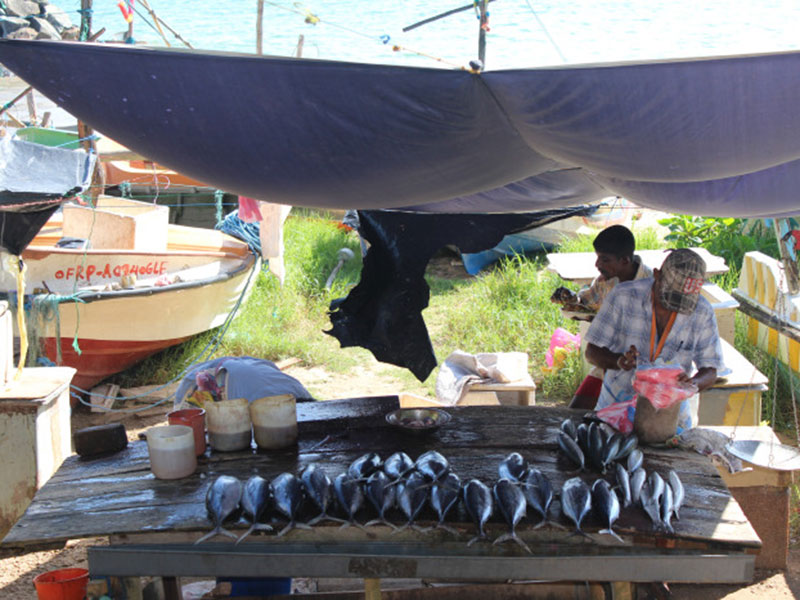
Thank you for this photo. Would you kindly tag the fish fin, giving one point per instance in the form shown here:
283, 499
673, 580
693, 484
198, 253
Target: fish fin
612, 533
209, 535
420, 528
373, 522
512, 536
345, 524
555, 524
503, 538
227, 533
446, 528
286, 529
540, 524
475, 539
246, 533
580, 532
317, 519
302, 526
399, 529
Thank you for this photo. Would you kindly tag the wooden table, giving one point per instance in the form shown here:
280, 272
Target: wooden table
152, 524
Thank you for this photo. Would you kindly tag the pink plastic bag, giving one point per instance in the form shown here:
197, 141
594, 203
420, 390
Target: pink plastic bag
564, 340
619, 415
660, 385
248, 210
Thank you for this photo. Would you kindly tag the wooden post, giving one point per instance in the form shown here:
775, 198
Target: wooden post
372, 589
32, 117
86, 17
300, 42
260, 27
482, 34
789, 265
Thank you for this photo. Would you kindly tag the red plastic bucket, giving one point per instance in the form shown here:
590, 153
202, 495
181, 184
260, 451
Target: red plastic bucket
62, 584
194, 418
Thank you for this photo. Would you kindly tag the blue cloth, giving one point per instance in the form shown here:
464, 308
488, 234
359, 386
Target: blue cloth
625, 319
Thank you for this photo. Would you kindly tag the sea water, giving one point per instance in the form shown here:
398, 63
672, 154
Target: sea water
523, 33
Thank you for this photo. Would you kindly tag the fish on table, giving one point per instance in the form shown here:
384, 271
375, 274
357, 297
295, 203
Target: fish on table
222, 501
319, 489
432, 465
576, 501
512, 504
412, 494
350, 496
364, 466
288, 496
479, 505
445, 494
512, 467
256, 502
538, 492
382, 495
606, 505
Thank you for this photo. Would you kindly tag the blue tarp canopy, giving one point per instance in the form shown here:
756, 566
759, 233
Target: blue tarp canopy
710, 136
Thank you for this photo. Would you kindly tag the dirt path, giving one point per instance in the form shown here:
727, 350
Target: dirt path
17, 573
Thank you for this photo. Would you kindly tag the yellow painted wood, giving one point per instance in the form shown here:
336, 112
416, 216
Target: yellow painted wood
372, 589
623, 590
746, 280
752, 331
743, 407
794, 355
772, 342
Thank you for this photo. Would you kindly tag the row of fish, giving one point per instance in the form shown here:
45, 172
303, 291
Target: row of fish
410, 486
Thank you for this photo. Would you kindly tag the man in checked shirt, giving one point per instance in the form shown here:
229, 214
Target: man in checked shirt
616, 262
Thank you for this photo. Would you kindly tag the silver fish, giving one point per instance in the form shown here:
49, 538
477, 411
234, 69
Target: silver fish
570, 449
350, 496
478, 500
319, 488
610, 451
606, 506
568, 427
624, 483
444, 496
576, 501
432, 465
256, 498
364, 466
637, 482
650, 505
222, 500
382, 496
635, 460
583, 436
512, 505
627, 446
667, 508
398, 465
412, 493
288, 493
656, 484
512, 467
677, 493
596, 444
538, 492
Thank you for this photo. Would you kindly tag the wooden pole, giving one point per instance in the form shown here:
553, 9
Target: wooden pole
32, 116
16, 99
86, 18
300, 42
482, 34
260, 27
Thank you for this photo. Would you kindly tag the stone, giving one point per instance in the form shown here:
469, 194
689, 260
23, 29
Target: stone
9, 25
57, 17
21, 8
45, 31
71, 34
26, 33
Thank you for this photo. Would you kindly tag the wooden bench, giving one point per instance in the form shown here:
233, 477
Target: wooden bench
515, 393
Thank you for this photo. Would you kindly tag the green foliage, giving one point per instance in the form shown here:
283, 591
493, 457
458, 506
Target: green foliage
726, 237
647, 238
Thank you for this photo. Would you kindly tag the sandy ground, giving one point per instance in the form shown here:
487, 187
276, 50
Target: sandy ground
17, 573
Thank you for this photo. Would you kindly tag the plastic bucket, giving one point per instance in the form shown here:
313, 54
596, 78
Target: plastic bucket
62, 584
229, 425
274, 421
171, 449
194, 418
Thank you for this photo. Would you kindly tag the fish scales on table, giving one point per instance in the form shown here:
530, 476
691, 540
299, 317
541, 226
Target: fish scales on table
412, 494
479, 505
512, 467
512, 505
538, 492
432, 465
222, 501
319, 489
350, 496
576, 501
256, 501
445, 494
288, 494
382, 495
606, 506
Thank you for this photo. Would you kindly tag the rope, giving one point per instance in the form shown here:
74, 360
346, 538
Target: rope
247, 232
547, 33
218, 196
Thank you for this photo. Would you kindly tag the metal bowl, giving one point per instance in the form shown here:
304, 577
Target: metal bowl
417, 421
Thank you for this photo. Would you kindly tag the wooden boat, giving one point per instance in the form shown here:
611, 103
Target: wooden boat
132, 293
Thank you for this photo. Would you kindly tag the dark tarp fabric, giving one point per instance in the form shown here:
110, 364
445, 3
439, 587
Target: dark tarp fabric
700, 136
34, 180
383, 313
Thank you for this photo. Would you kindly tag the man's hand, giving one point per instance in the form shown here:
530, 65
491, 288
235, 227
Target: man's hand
627, 361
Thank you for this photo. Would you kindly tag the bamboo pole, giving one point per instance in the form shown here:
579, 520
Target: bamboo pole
32, 116
86, 17
260, 27
16, 99
482, 34
156, 21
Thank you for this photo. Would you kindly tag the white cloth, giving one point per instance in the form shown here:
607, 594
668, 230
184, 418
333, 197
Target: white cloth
461, 368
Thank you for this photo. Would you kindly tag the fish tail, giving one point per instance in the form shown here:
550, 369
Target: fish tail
401, 528
420, 528
209, 535
503, 538
480, 536
612, 533
302, 525
246, 533
441, 525
286, 529
373, 522
227, 533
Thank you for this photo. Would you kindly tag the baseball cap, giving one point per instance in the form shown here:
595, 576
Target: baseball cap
682, 275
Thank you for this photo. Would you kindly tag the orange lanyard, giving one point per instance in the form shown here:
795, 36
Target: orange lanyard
664, 334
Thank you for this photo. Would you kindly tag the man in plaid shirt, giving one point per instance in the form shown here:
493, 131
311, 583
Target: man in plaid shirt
616, 262
663, 317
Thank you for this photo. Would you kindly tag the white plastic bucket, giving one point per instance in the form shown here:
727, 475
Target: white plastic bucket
171, 449
228, 424
274, 421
